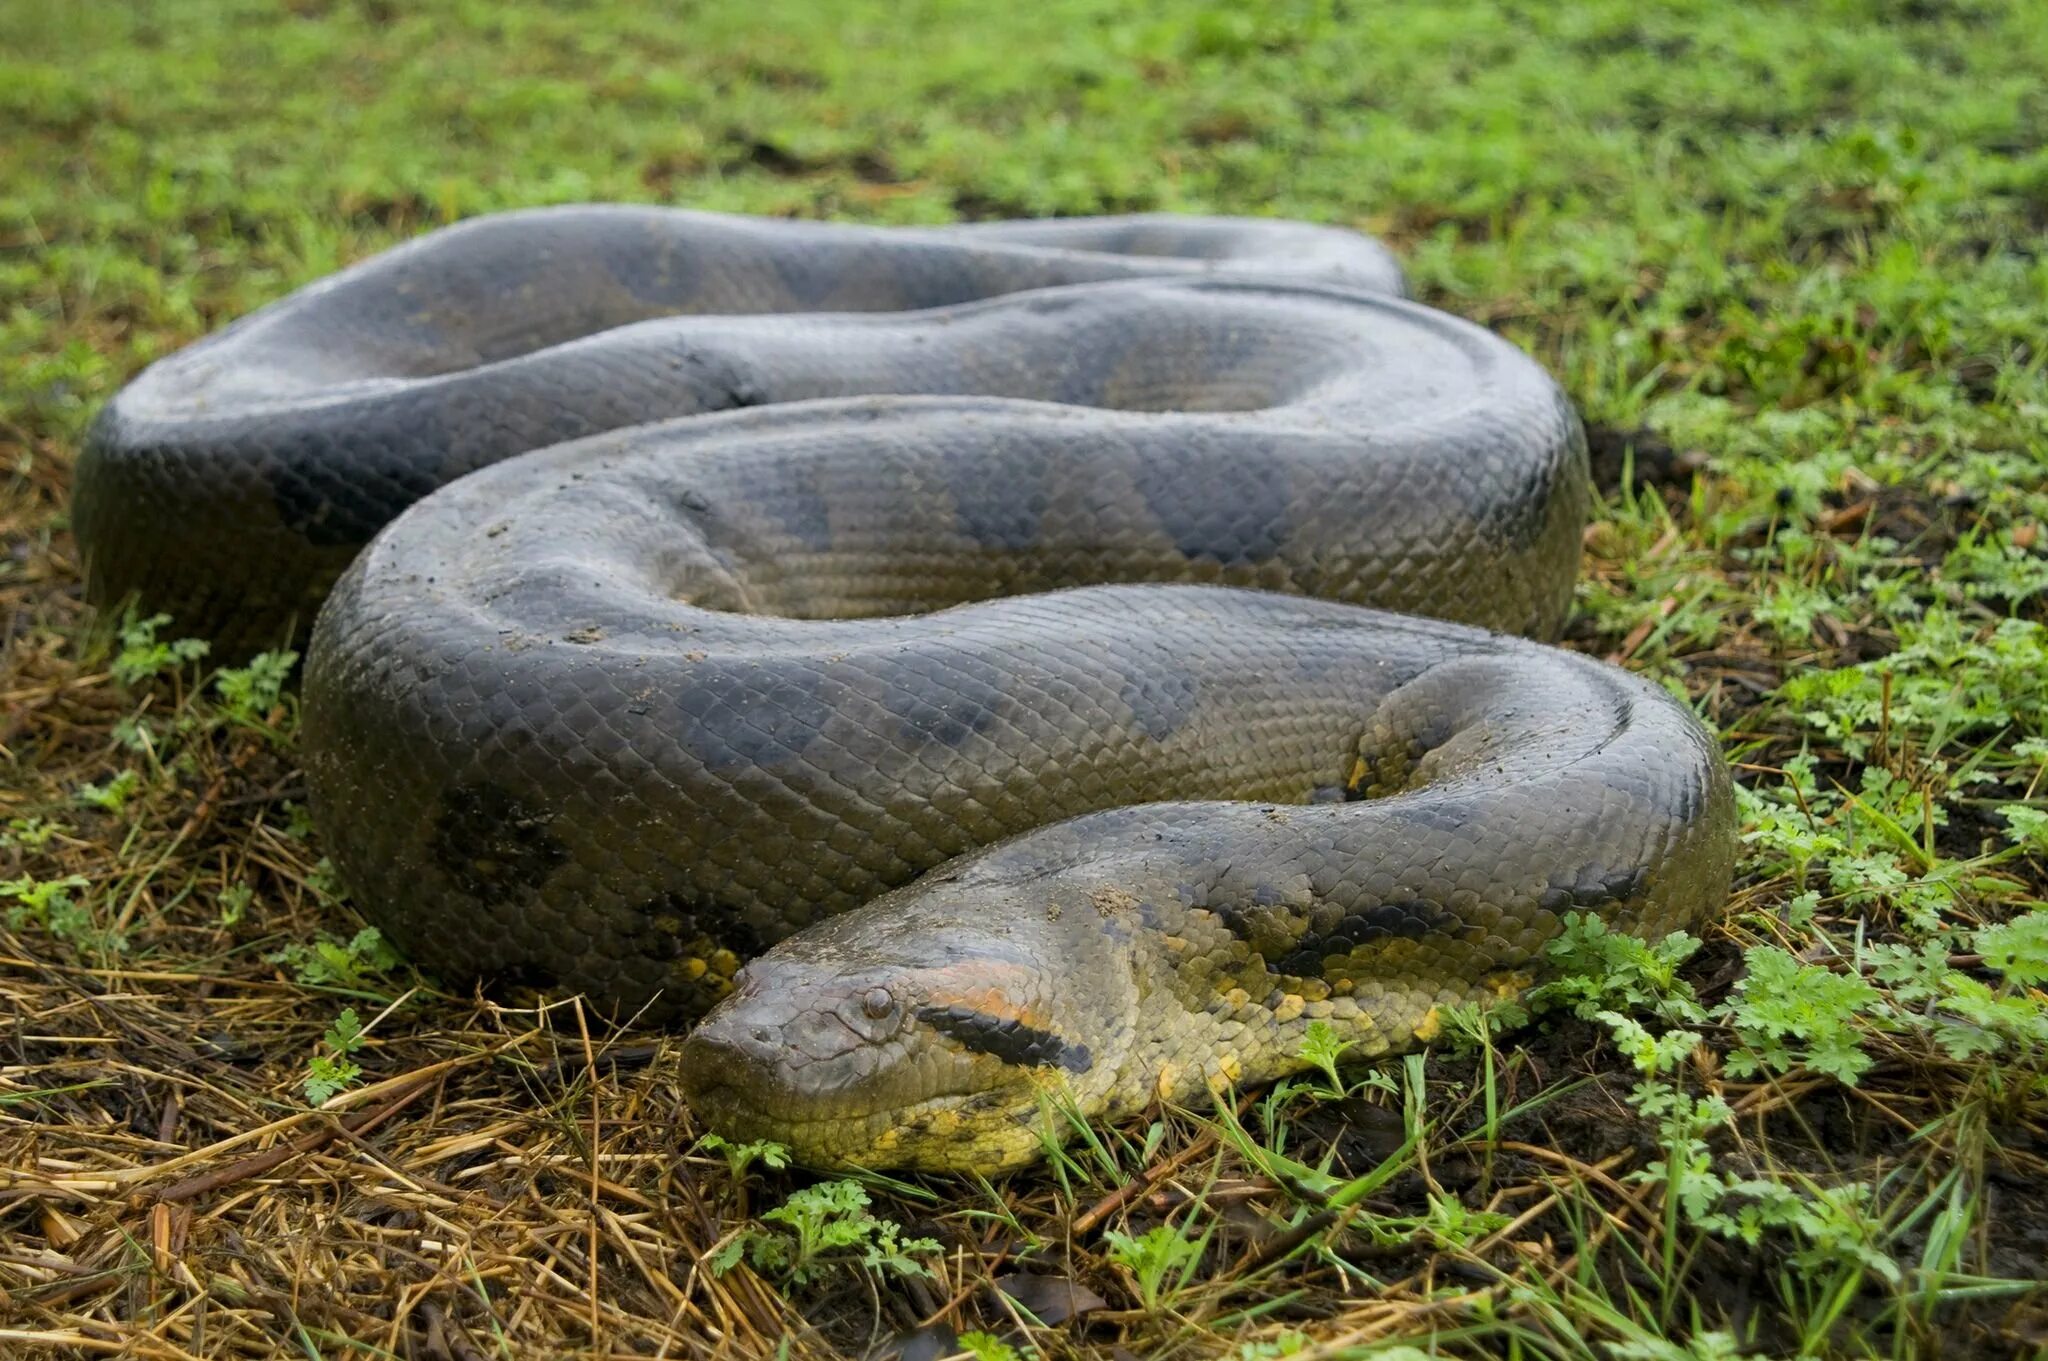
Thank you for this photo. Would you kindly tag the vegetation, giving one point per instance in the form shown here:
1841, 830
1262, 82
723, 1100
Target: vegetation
1785, 258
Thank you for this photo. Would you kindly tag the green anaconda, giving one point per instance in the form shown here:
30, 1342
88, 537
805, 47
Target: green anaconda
995, 617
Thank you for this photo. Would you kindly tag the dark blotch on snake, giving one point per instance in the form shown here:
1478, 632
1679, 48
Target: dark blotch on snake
951, 704
493, 846
334, 503
1410, 920
1593, 886
1161, 696
737, 720
807, 280
802, 512
1217, 510
999, 513
673, 923
1439, 813
1009, 1040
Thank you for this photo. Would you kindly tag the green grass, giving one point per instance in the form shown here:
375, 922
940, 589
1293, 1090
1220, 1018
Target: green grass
1787, 260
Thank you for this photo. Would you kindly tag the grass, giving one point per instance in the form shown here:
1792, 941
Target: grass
1785, 258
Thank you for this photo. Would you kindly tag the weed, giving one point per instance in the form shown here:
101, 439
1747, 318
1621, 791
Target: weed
333, 1071
1600, 970
739, 1157
1321, 1047
828, 1225
1788, 1014
143, 656
47, 903
111, 796
329, 961
988, 1347
250, 694
1159, 1261
234, 903
2018, 948
30, 834
1951, 679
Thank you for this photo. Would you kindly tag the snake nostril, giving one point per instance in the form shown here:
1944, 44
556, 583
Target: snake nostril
764, 1034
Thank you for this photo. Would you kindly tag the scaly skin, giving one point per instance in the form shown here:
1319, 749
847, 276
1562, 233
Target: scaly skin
1164, 951
300, 431
1034, 621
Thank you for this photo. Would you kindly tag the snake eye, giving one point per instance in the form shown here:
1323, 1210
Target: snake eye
878, 1003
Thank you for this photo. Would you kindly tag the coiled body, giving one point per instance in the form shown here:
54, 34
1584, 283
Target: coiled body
1062, 571
300, 431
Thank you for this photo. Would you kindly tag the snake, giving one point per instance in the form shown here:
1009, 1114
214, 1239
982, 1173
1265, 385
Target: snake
991, 678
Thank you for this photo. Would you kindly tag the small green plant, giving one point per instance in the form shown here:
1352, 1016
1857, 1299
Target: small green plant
250, 694
1785, 822
1453, 1225
1687, 1174
234, 903
47, 903
325, 881
740, 1157
1156, 1258
331, 962
1078, 1151
137, 733
1948, 679
143, 655
1704, 1346
1321, 1047
2029, 825
1965, 1017
989, 1347
1471, 1027
112, 796
1601, 970
332, 1071
2018, 948
30, 834
1793, 1015
298, 820
828, 1225
1836, 1224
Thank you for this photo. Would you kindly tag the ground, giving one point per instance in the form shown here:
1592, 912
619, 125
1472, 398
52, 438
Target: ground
1785, 258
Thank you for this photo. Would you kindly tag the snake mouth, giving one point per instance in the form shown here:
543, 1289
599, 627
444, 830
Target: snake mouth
838, 1094
747, 1090
740, 1073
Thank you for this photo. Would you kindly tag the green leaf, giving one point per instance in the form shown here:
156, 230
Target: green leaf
2018, 948
1790, 1015
327, 1077
345, 1036
142, 656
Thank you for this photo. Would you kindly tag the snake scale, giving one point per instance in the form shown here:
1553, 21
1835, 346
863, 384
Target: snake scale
1002, 618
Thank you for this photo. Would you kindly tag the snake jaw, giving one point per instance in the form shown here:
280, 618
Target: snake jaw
803, 1037
856, 1046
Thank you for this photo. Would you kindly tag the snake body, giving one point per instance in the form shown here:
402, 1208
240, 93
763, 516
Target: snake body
995, 617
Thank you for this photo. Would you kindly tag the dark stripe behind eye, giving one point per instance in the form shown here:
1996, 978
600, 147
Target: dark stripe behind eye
1010, 1041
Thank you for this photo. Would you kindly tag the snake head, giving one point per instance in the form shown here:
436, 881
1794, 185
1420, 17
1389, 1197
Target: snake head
930, 1029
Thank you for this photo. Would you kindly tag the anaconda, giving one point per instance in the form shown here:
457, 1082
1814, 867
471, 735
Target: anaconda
998, 618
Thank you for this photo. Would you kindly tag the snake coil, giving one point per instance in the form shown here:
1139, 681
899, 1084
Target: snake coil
997, 613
